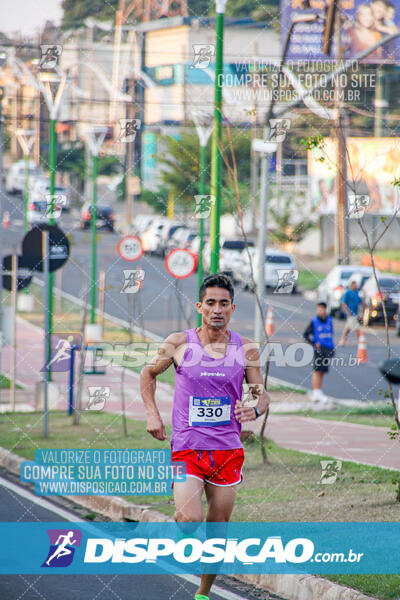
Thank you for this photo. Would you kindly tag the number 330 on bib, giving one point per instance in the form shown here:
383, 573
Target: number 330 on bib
209, 412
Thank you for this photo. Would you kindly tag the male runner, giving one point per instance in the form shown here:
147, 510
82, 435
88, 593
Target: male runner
211, 364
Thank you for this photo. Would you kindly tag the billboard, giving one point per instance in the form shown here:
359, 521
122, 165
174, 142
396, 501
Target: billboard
364, 24
372, 165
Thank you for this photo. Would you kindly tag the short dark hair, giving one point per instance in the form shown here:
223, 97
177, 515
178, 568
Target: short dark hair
218, 280
324, 304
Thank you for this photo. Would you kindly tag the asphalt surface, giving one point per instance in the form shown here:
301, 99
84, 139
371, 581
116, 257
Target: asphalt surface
157, 308
16, 507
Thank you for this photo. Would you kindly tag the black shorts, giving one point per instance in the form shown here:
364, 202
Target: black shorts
322, 359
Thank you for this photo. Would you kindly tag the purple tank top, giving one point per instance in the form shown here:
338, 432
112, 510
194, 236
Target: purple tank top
206, 390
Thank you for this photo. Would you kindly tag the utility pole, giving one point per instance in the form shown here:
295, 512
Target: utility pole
342, 222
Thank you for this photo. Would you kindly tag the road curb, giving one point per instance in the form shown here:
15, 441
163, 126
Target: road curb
292, 587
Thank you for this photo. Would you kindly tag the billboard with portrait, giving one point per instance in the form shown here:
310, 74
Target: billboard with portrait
372, 165
365, 22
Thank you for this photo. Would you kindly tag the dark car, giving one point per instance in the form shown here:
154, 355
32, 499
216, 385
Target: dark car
390, 289
104, 217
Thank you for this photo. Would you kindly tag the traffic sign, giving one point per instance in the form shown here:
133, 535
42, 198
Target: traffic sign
130, 248
24, 274
32, 247
180, 263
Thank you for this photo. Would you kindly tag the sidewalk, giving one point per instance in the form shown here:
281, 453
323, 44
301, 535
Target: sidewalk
341, 440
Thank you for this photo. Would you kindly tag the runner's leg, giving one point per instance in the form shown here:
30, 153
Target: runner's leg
187, 498
220, 501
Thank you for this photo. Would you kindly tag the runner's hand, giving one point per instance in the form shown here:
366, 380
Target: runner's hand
156, 428
244, 412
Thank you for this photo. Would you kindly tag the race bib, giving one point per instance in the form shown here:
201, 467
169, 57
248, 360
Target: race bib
209, 412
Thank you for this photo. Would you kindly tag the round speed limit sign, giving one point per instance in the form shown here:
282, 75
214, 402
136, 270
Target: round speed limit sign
180, 263
130, 248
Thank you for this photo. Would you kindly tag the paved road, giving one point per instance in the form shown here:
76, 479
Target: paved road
18, 504
157, 308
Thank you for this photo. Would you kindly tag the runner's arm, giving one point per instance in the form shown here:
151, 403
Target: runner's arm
254, 378
148, 380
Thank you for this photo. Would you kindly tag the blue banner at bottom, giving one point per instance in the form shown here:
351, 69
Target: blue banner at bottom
145, 548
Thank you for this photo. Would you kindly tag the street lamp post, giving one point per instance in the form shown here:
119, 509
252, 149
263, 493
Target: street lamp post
204, 129
216, 139
94, 139
45, 80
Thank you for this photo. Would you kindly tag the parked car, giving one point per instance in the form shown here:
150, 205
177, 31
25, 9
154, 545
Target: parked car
39, 211
181, 238
141, 223
390, 288
104, 216
229, 255
332, 288
166, 232
151, 236
15, 178
41, 192
275, 261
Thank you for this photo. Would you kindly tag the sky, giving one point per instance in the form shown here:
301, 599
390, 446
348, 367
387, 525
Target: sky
27, 16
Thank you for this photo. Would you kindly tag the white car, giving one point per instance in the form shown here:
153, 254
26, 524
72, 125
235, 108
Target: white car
275, 265
332, 288
141, 222
229, 255
39, 212
15, 178
41, 193
181, 238
151, 237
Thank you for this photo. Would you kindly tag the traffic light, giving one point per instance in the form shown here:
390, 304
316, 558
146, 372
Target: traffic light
329, 27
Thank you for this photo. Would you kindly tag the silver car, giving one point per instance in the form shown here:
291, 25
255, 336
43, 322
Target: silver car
276, 263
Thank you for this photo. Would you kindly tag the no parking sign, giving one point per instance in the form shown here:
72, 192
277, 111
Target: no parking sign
180, 263
130, 248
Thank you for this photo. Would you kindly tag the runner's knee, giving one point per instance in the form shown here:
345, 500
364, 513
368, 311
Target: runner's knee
185, 516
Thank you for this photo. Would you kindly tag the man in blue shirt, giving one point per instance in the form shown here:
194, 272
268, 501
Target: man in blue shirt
319, 334
350, 304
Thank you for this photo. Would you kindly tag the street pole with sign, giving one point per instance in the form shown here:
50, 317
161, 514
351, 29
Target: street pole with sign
94, 139
180, 263
216, 139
